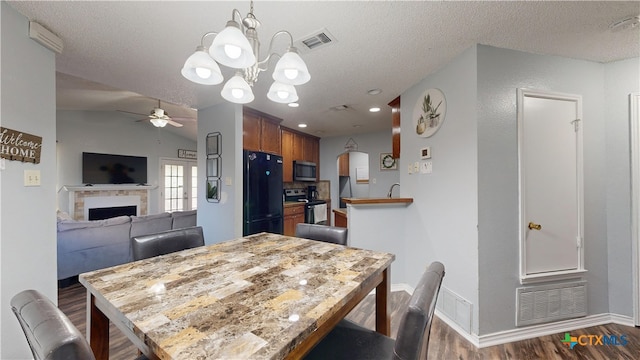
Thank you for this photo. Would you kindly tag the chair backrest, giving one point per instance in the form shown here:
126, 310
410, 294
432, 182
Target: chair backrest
415, 326
331, 234
146, 246
50, 334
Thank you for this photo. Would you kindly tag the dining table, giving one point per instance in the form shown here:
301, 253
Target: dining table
263, 296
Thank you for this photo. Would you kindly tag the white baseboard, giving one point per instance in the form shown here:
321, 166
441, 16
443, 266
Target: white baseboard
534, 331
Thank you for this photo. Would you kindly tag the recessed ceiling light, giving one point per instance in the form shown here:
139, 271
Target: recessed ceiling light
293, 104
374, 109
340, 107
374, 91
302, 125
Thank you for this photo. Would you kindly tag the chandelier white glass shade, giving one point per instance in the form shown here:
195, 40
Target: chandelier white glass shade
237, 90
202, 69
282, 93
237, 46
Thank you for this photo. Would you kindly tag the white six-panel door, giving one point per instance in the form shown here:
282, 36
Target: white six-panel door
550, 162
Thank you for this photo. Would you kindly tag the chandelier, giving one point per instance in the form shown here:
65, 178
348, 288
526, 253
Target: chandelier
238, 47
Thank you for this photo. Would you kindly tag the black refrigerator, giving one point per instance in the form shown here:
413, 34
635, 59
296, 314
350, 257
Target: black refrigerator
263, 208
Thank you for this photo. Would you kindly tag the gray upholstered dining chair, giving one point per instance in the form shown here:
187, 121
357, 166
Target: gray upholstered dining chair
331, 234
351, 341
146, 246
49, 332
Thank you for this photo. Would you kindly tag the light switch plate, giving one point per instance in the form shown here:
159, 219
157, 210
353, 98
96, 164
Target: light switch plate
32, 178
426, 167
416, 167
228, 181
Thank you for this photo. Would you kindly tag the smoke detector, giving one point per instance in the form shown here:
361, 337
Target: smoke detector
629, 22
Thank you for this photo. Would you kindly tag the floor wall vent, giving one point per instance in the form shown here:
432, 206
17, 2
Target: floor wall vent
455, 308
546, 303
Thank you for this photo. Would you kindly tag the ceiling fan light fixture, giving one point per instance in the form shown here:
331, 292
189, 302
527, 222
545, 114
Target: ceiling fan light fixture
282, 93
237, 90
231, 48
159, 122
291, 69
201, 69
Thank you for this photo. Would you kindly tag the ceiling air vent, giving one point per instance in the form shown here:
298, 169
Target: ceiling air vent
318, 39
45, 37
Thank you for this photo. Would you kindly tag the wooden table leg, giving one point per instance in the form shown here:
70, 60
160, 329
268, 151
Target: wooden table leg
98, 331
383, 320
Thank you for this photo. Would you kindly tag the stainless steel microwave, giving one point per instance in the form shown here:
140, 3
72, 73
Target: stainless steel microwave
304, 171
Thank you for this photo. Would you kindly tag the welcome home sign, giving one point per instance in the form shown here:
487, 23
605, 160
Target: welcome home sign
20, 146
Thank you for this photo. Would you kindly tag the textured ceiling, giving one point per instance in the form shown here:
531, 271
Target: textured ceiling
140, 47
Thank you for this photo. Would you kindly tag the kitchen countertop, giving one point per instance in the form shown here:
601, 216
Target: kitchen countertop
298, 203
382, 201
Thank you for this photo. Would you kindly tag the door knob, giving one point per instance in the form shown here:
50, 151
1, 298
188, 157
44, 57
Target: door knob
534, 226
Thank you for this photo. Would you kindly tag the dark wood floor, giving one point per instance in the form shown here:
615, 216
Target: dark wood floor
445, 343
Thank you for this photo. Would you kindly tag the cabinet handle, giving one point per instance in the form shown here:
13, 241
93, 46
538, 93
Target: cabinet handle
534, 226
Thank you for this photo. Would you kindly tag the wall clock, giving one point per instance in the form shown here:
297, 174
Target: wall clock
429, 112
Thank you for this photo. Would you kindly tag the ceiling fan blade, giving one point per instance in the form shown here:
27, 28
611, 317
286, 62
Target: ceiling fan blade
173, 123
182, 118
129, 112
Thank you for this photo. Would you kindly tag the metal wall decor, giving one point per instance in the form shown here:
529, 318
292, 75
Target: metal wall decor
214, 166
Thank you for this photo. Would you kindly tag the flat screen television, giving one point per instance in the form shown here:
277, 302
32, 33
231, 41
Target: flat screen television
113, 169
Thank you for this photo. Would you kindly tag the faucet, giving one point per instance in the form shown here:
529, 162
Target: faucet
391, 189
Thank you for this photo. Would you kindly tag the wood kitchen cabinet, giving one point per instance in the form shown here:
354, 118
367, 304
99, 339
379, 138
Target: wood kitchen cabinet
343, 164
395, 127
260, 132
298, 147
293, 215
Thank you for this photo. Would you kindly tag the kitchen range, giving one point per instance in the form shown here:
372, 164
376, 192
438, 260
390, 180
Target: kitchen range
315, 210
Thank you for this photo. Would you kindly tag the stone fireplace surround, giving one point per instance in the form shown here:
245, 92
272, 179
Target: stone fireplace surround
82, 198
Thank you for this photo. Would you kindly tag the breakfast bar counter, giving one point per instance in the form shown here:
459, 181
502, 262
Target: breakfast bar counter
264, 296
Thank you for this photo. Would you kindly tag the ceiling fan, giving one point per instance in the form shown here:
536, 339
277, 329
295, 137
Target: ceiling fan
159, 118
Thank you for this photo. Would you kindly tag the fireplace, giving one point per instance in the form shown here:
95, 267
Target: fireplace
83, 198
113, 211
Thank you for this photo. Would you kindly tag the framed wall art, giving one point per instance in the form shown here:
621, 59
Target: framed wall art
429, 112
387, 162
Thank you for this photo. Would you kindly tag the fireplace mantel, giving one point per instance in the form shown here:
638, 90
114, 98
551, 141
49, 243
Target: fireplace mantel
127, 194
107, 187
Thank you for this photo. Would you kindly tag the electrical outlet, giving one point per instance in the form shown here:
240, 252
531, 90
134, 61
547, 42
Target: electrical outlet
416, 167
32, 178
228, 181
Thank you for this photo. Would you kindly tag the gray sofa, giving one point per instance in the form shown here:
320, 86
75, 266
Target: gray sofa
91, 245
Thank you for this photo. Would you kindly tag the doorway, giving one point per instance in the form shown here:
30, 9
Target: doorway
178, 184
551, 185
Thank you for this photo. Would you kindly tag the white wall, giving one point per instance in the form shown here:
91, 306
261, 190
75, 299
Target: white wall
113, 133
28, 221
442, 222
500, 73
221, 221
621, 79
